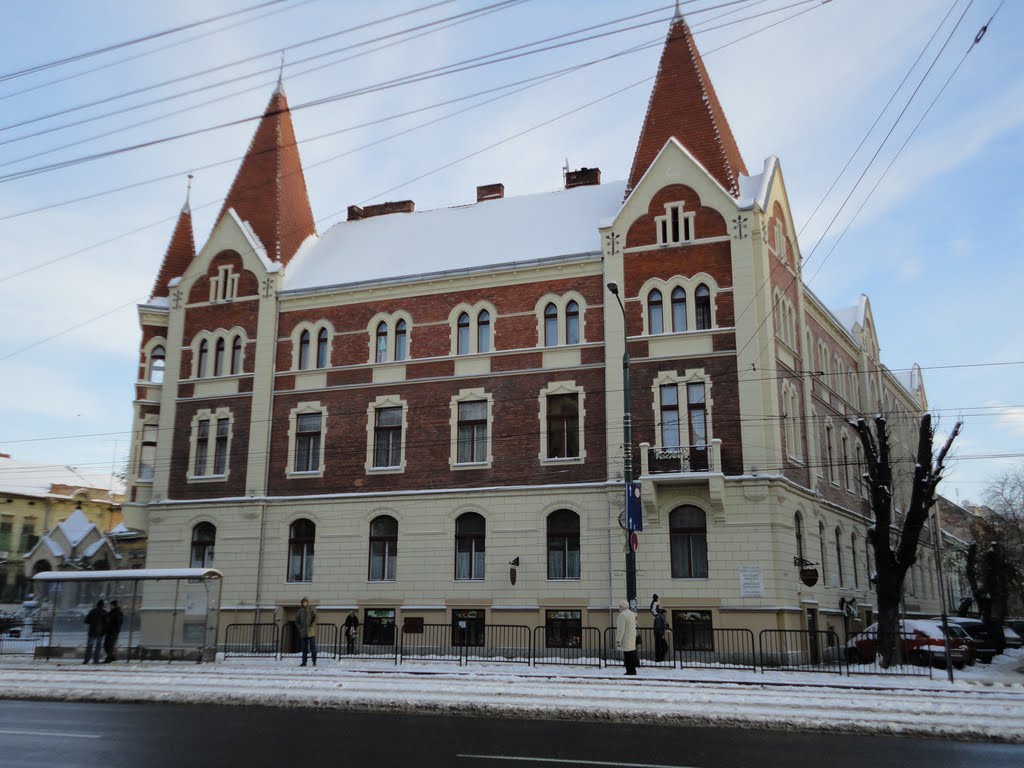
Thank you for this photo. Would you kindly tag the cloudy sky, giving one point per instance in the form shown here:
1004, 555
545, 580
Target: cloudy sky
935, 244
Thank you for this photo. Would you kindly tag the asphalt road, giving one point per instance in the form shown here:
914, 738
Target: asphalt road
73, 735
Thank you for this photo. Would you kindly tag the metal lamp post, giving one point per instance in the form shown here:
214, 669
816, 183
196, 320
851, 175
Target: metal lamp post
627, 450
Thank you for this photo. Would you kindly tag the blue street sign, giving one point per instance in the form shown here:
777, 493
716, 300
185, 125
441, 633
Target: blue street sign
634, 510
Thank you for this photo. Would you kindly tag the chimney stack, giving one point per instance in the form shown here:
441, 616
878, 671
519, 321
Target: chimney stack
356, 212
584, 177
490, 192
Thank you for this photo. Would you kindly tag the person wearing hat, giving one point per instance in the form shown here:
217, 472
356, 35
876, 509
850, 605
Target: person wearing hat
625, 637
305, 622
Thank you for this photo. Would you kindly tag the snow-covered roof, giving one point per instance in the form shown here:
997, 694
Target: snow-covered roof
76, 527
503, 231
31, 479
756, 188
127, 574
853, 315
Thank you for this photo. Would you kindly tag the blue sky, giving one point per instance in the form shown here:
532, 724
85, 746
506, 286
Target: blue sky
936, 247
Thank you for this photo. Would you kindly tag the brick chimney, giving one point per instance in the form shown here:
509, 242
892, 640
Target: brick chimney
356, 212
583, 177
490, 192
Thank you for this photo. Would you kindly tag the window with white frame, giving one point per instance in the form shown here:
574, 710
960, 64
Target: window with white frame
655, 313
386, 431
236, 353
301, 541
779, 241
472, 328
839, 558
311, 345
471, 416
562, 418
147, 451
218, 353
156, 364
389, 337
682, 417
202, 359
688, 542
307, 428
204, 537
830, 454
383, 560
560, 320
847, 480
210, 444
470, 546
675, 226
563, 544
821, 548
702, 308
681, 312
224, 285
678, 309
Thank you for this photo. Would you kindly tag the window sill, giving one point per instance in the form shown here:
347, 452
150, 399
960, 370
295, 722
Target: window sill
477, 579
564, 578
471, 465
559, 461
208, 478
381, 581
300, 474
306, 581
691, 578
385, 470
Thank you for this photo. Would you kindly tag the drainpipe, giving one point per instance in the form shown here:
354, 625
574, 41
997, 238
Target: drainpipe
266, 470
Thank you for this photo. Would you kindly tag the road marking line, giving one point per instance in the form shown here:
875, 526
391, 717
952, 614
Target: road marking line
565, 761
51, 733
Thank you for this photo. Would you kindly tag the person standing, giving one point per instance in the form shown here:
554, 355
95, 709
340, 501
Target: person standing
305, 622
625, 637
351, 627
96, 621
660, 626
114, 621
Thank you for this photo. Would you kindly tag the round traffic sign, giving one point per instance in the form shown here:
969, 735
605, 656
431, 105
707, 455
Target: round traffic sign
634, 541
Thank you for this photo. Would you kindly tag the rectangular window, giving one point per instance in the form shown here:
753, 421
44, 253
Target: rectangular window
693, 631
220, 448
6, 529
698, 418
669, 416
563, 426
383, 559
28, 536
202, 447
387, 437
472, 432
307, 442
379, 627
563, 629
147, 455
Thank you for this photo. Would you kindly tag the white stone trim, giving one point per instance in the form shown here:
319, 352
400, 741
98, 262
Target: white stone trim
561, 301
561, 388
471, 395
391, 320
213, 416
473, 310
301, 409
690, 376
385, 401
314, 328
689, 285
211, 338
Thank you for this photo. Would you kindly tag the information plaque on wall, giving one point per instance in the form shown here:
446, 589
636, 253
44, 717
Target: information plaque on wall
751, 581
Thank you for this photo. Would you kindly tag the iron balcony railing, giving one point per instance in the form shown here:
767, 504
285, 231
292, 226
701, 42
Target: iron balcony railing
659, 460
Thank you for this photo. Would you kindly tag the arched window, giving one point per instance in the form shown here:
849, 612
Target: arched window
321, 348
839, 558
702, 307
551, 325
483, 331
655, 314
678, 310
382, 342
688, 541
236, 354
218, 358
572, 323
401, 340
853, 561
304, 350
798, 527
470, 531
204, 351
462, 337
383, 548
563, 545
204, 536
301, 536
821, 546
157, 362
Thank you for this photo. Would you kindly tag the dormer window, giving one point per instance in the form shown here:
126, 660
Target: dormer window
676, 226
224, 285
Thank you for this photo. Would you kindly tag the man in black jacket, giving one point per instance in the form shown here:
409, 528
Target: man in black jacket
114, 621
96, 620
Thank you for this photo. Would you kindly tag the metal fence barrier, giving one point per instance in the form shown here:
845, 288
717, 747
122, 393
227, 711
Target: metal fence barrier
715, 649
377, 646
552, 645
326, 640
861, 657
797, 650
23, 643
251, 640
483, 643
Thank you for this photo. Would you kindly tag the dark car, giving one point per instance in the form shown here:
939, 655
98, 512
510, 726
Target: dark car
1017, 625
984, 645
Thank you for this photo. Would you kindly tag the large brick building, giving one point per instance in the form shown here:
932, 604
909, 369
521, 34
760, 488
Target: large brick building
385, 415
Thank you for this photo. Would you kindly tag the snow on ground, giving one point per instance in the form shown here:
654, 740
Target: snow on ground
985, 702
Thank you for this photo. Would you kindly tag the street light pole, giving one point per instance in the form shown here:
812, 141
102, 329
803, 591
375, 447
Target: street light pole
627, 450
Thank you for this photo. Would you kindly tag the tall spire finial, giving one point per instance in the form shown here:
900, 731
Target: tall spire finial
679, 13
280, 76
187, 207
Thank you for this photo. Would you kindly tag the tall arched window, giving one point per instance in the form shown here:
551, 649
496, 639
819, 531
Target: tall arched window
551, 325
678, 310
655, 314
304, 350
470, 541
702, 307
321, 348
572, 323
236, 354
563, 545
383, 548
853, 561
204, 351
204, 535
157, 362
798, 527
462, 337
401, 340
218, 358
839, 558
688, 542
301, 537
821, 546
483, 331
382, 342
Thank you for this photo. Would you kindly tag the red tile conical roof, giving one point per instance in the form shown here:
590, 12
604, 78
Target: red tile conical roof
180, 252
683, 104
269, 190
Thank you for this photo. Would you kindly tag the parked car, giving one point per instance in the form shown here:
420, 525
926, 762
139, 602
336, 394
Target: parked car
984, 645
1013, 640
922, 643
1017, 625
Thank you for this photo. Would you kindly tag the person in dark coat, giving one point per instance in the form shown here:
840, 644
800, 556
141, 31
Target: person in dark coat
305, 623
114, 621
351, 628
660, 626
96, 621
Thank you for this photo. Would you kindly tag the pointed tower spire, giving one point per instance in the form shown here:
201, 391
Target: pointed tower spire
180, 251
269, 190
683, 104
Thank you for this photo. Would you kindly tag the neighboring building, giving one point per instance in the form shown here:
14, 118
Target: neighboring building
74, 544
36, 497
415, 401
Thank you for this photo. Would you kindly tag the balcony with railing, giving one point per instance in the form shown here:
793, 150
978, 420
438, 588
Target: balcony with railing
662, 467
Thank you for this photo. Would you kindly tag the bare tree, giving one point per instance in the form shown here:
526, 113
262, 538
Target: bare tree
1005, 525
891, 565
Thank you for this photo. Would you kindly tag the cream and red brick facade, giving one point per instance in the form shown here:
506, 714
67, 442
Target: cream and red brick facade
295, 392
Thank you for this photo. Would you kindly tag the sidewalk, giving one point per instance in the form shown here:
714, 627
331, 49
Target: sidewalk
985, 703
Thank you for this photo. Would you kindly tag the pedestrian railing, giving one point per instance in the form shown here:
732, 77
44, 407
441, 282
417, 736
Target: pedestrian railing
428, 642
912, 657
326, 640
22, 642
582, 646
251, 640
708, 648
795, 650
377, 645
483, 643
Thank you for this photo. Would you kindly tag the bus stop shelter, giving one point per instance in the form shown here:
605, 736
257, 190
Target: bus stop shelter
169, 613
